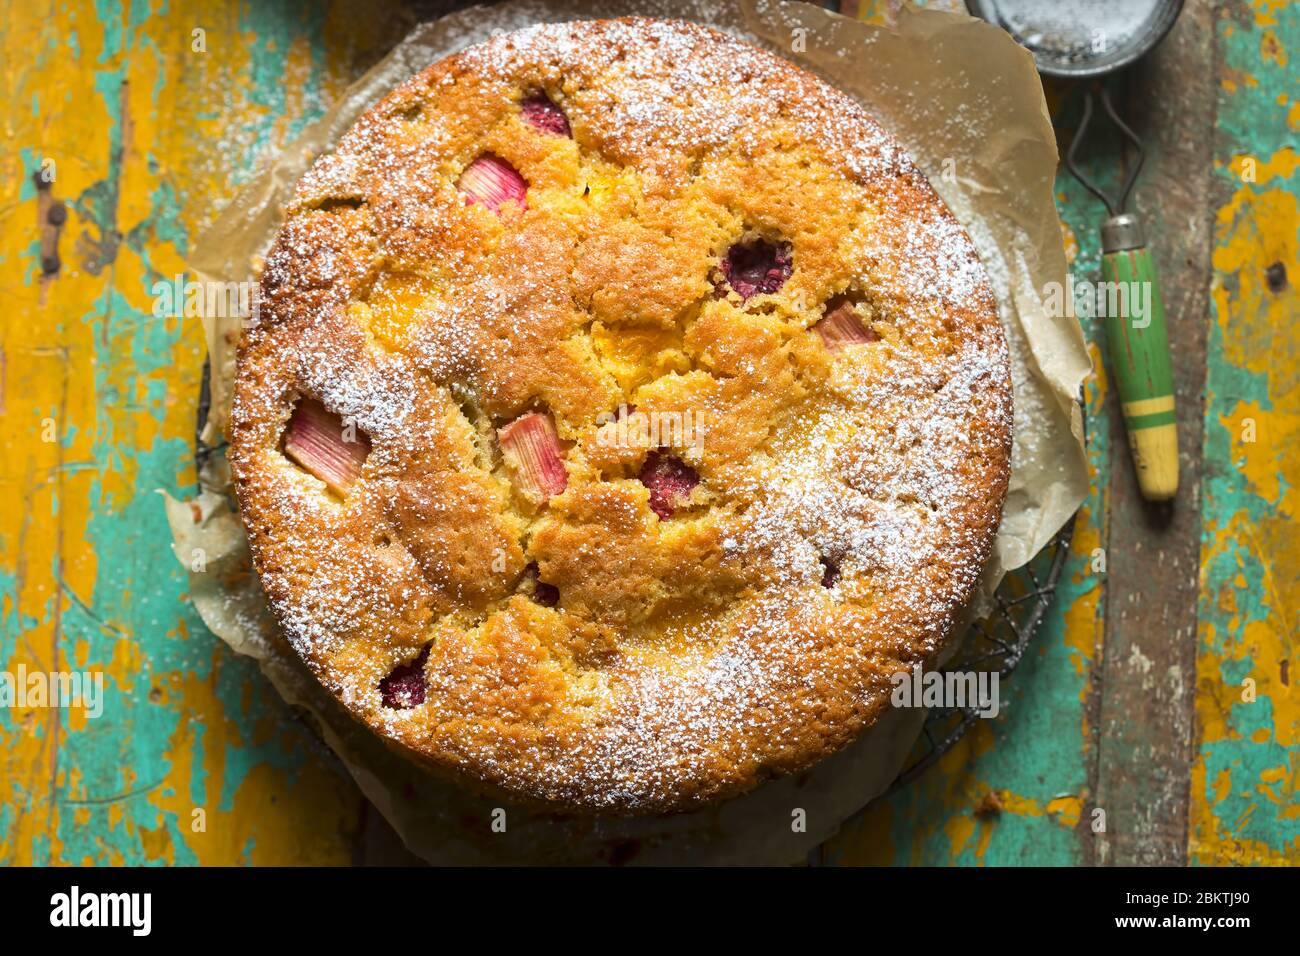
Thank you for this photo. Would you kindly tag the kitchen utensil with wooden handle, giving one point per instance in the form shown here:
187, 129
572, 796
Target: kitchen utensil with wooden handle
1139, 356
1135, 320
1087, 41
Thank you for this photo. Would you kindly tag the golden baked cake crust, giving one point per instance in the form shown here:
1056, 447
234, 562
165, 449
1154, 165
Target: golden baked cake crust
675, 412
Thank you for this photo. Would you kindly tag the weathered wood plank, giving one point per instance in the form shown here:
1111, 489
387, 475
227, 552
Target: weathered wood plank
145, 133
1244, 802
1148, 671
148, 135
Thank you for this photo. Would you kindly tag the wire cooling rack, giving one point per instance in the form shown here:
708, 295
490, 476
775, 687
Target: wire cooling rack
202, 450
993, 645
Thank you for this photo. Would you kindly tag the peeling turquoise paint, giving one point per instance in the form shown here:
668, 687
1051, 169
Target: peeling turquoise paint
122, 758
163, 226
31, 165
1040, 748
1241, 582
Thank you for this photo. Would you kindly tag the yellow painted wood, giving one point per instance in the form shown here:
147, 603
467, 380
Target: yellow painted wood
193, 759
148, 135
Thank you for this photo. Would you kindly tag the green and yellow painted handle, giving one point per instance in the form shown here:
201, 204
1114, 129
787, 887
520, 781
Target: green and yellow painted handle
1139, 356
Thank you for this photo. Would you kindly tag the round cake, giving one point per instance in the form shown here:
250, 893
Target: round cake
624, 410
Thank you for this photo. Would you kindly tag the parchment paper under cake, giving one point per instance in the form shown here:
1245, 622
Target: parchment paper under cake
966, 102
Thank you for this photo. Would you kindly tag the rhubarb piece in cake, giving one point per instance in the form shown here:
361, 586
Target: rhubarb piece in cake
842, 327
405, 685
324, 445
532, 452
547, 595
539, 112
492, 182
830, 572
670, 481
757, 268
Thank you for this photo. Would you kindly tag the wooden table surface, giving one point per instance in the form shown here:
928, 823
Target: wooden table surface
1135, 698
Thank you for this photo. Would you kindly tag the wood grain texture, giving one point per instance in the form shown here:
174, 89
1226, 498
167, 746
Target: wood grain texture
1148, 676
1131, 699
140, 133
1244, 802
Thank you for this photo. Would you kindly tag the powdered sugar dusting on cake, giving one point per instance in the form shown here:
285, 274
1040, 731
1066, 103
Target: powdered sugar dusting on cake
933, 261
373, 392
848, 541
673, 86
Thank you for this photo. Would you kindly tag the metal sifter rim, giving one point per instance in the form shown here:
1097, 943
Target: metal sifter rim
1137, 44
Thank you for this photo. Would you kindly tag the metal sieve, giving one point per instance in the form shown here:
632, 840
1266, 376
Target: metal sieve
1087, 40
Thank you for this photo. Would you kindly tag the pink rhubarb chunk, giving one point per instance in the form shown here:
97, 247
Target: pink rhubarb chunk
493, 182
532, 450
318, 440
670, 481
830, 572
538, 111
842, 327
404, 687
547, 595
757, 268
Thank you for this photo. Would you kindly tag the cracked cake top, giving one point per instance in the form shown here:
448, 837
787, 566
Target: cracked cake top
625, 409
